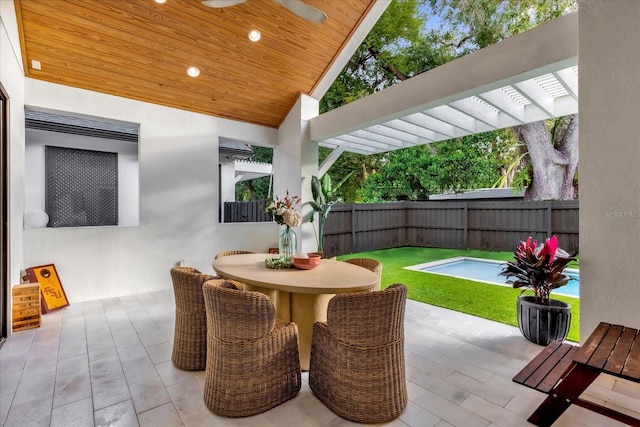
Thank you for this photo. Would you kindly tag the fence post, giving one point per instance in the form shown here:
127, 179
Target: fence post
466, 225
353, 227
549, 216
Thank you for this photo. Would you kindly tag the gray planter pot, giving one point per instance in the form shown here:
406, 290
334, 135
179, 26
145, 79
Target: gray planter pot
540, 323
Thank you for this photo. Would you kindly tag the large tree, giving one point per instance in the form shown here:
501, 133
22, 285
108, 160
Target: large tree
551, 159
383, 59
553, 155
407, 41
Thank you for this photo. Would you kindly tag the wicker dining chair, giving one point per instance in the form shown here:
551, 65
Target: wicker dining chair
231, 252
190, 333
370, 264
357, 366
253, 363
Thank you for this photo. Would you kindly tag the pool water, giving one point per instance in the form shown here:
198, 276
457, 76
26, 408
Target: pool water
487, 271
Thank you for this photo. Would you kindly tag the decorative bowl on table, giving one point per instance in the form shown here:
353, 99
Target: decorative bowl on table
306, 263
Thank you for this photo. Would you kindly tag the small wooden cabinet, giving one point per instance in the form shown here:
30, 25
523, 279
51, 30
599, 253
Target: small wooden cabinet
26, 306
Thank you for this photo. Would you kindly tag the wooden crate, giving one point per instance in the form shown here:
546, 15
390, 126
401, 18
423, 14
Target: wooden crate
26, 306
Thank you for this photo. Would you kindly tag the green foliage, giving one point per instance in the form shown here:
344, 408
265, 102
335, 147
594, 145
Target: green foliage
357, 166
374, 65
479, 23
511, 170
466, 163
278, 263
522, 179
414, 173
401, 176
324, 196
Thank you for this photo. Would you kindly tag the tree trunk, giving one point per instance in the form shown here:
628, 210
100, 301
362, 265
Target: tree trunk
554, 165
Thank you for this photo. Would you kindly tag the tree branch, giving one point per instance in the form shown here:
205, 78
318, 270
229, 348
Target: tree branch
387, 65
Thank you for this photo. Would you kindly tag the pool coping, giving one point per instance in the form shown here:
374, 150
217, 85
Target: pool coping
420, 268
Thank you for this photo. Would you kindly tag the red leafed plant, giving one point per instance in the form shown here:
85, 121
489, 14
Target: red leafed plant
538, 267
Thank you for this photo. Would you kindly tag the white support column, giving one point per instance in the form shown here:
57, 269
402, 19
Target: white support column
609, 61
295, 160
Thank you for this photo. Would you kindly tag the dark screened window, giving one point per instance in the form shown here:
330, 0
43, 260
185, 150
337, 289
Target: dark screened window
81, 187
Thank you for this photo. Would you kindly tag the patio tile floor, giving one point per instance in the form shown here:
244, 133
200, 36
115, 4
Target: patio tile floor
108, 363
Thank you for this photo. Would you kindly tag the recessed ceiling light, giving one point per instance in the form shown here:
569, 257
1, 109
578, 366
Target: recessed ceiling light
160, 1
193, 71
254, 35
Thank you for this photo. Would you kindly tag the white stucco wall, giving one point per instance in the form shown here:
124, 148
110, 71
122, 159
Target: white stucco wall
11, 77
178, 160
609, 64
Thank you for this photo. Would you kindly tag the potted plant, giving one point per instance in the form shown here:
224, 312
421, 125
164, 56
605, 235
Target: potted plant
540, 268
324, 197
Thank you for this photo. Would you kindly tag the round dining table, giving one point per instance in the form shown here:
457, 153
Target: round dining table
299, 296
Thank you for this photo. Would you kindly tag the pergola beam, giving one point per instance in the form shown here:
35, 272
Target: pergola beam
518, 80
331, 159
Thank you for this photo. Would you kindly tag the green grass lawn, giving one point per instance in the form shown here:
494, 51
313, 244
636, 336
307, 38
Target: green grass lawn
479, 299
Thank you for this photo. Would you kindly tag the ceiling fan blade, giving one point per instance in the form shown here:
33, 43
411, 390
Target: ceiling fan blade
221, 3
304, 10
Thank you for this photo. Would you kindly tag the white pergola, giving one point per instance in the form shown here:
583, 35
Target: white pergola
529, 77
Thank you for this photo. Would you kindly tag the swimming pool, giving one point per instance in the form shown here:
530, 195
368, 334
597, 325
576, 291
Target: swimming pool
486, 271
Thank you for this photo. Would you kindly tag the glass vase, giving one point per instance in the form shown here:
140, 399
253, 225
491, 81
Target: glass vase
287, 243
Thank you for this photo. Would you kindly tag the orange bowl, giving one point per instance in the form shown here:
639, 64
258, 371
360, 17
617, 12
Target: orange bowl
307, 263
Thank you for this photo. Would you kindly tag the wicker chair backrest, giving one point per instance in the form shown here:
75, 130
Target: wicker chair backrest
231, 252
187, 288
235, 315
368, 318
368, 263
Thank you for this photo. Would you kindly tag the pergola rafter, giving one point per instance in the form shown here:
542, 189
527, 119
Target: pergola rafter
529, 77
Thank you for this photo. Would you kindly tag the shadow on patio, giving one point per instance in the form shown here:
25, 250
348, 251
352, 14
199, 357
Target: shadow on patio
108, 362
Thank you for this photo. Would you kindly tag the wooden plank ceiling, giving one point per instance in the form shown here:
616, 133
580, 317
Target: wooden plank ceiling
139, 49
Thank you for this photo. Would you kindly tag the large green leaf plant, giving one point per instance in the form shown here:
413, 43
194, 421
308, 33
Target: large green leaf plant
324, 197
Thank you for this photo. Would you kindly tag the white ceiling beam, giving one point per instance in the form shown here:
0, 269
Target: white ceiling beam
328, 144
363, 152
406, 138
569, 79
503, 102
483, 113
566, 105
542, 50
250, 166
445, 130
377, 137
352, 139
534, 93
362, 145
462, 121
533, 113
404, 126
331, 159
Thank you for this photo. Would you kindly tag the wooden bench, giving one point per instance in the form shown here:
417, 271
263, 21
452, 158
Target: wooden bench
564, 371
548, 367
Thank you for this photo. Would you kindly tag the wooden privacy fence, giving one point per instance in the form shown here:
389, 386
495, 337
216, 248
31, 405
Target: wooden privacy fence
485, 225
252, 211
